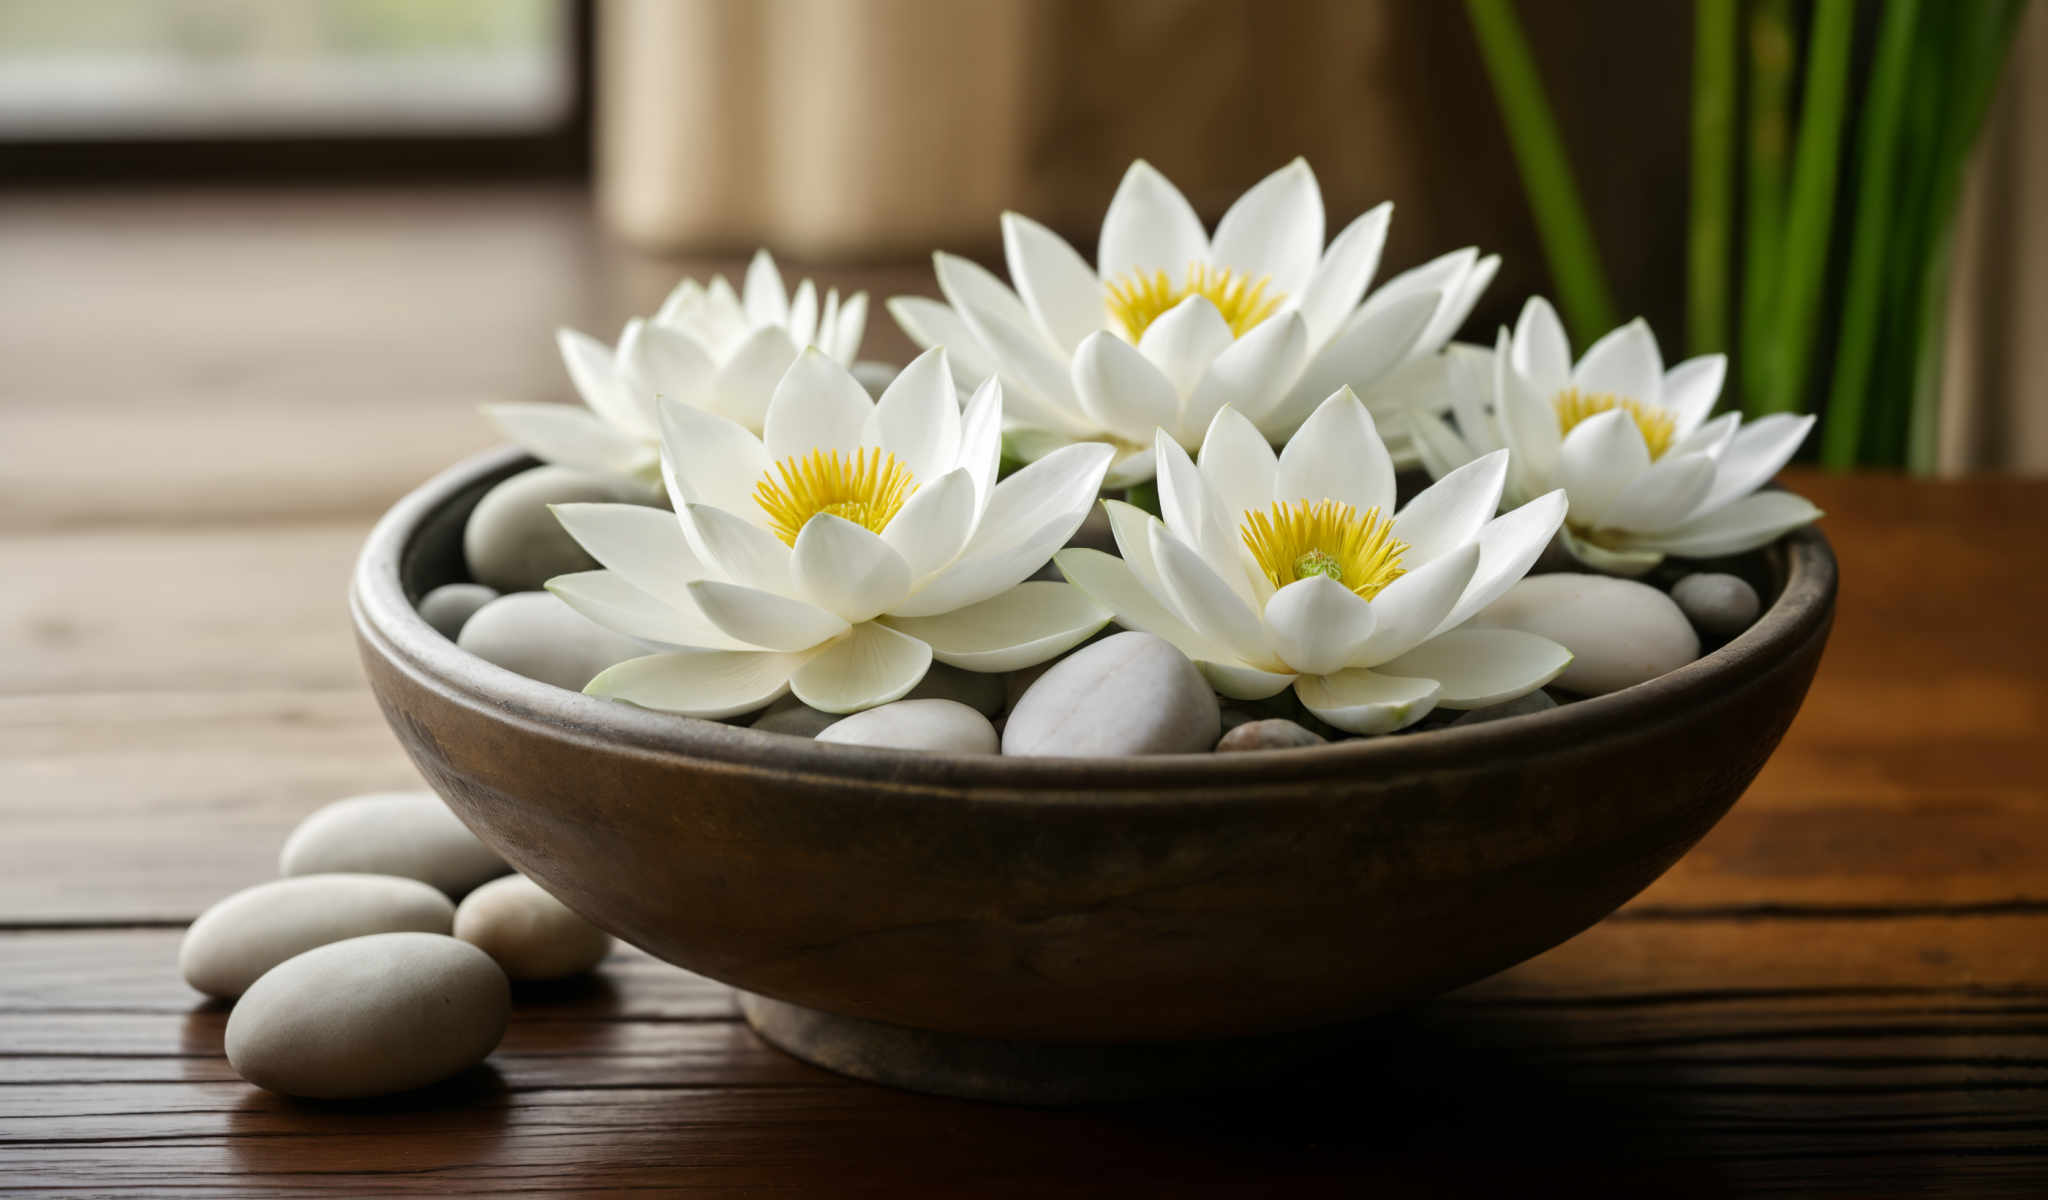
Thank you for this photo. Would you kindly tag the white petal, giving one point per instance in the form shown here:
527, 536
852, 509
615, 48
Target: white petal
656, 362
918, 417
1440, 449
1359, 701
1434, 278
1239, 467
608, 599
699, 683
1755, 454
874, 665
1364, 351
853, 324
1541, 351
1121, 390
1340, 279
1750, 522
1130, 468
747, 381
743, 552
1184, 340
1625, 362
933, 526
846, 570
1252, 374
1111, 582
710, 459
1710, 439
1022, 627
930, 323
981, 439
1030, 515
1196, 517
762, 294
1149, 226
1663, 496
1317, 624
1508, 546
685, 296
1459, 298
594, 370
1412, 608
1692, 388
803, 314
1602, 455
1209, 603
1628, 562
1474, 668
765, 619
572, 437
1274, 230
1044, 396
1337, 455
1240, 682
819, 405
645, 546
1450, 512
1057, 285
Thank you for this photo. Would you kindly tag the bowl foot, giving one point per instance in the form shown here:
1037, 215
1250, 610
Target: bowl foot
1023, 1072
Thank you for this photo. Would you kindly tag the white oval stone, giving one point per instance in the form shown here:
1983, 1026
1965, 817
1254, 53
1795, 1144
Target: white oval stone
1620, 632
942, 726
1132, 693
234, 942
1718, 604
451, 604
412, 834
531, 934
537, 635
514, 544
370, 1016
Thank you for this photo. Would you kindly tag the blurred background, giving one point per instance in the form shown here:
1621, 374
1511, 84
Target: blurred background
1850, 196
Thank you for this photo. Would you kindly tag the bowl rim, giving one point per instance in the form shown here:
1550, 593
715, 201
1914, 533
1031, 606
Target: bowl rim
387, 622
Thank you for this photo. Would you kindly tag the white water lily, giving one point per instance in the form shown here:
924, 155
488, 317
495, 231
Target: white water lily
708, 346
1647, 472
837, 553
1170, 324
1295, 570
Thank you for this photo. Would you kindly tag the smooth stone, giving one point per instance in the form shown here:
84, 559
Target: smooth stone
978, 690
1620, 632
1273, 733
411, 834
1521, 706
792, 716
447, 607
531, 934
940, 726
1717, 604
370, 1016
514, 544
536, 635
1132, 693
234, 942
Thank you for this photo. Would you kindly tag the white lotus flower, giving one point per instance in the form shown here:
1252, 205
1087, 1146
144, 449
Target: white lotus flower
1631, 443
707, 347
839, 552
1295, 570
1171, 325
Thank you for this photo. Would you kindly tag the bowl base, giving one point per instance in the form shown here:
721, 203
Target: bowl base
1035, 1073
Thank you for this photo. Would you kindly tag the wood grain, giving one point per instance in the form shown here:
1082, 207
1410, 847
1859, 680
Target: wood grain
208, 399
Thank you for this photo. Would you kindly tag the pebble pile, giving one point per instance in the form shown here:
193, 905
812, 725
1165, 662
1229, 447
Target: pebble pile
359, 973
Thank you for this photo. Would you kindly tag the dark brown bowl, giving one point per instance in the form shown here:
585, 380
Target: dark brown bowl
1163, 899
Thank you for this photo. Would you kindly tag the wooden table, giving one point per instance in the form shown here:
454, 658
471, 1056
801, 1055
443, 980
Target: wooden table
205, 400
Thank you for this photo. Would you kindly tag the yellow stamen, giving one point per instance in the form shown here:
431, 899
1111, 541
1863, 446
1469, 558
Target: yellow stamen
866, 488
1140, 298
1291, 542
1657, 426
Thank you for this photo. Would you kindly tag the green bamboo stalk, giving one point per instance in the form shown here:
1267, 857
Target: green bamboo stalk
1713, 175
1922, 432
1870, 240
1809, 210
1773, 41
1561, 223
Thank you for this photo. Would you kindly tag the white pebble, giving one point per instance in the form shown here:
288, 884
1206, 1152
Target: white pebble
451, 604
234, 942
536, 635
412, 834
531, 934
1132, 693
1620, 632
1718, 605
514, 544
941, 726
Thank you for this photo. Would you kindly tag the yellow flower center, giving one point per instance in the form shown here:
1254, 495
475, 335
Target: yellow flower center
867, 488
1140, 298
1292, 542
1656, 424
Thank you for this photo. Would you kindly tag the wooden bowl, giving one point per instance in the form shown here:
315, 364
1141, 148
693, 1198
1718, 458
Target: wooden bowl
1036, 929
